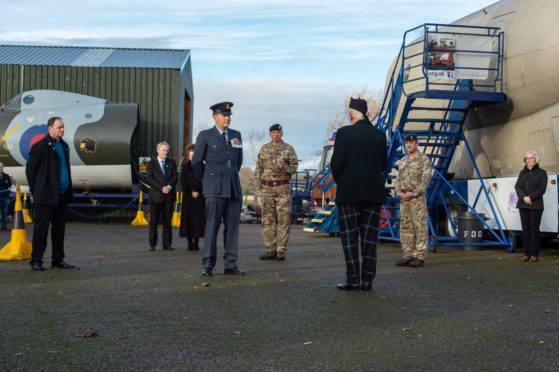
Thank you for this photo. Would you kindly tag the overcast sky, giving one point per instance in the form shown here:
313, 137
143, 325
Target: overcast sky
286, 61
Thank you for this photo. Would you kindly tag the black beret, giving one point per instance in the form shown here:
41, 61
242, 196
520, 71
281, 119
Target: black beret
410, 137
276, 127
223, 108
359, 105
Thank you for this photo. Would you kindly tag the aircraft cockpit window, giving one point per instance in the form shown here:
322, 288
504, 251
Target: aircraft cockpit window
28, 99
13, 105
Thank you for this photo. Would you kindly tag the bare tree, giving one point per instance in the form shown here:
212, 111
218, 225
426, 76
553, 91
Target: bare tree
254, 139
198, 128
374, 101
246, 174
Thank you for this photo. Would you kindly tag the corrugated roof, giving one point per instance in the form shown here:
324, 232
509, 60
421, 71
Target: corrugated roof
93, 56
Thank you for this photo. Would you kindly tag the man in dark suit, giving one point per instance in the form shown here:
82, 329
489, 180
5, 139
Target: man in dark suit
5, 184
357, 163
162, 178
50, 182
217, 160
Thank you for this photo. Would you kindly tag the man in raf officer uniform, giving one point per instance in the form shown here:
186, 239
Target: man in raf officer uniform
276, 163
216, 162
414, 173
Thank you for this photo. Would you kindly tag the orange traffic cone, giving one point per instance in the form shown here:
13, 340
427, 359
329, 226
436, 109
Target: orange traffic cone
18, 248
140, 219
176, 220
26, 217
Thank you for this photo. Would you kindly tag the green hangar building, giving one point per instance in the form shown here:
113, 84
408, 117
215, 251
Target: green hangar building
159, 81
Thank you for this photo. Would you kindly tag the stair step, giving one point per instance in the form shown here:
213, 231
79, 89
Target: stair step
317, 220
430, 120
325, 212
439, 156
432, 134
460, 95
309, 229
332, 203
438, 109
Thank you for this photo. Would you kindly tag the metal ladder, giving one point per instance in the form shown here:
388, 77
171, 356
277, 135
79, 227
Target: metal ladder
435, 111
432, 101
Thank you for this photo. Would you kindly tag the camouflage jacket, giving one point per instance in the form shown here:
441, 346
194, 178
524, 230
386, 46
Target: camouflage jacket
413, 174
267, 168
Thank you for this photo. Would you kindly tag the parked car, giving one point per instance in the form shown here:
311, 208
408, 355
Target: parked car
251, 214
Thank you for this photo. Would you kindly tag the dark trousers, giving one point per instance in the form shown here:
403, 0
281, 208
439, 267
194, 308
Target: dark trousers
4, 203
164, 212
530, 220
56, 217
228, 210
359, 223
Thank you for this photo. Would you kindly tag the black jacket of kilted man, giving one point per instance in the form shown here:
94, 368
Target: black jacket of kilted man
358, 163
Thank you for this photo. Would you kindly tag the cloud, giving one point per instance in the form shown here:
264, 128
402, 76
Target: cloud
287, 61
232, 30
304, 108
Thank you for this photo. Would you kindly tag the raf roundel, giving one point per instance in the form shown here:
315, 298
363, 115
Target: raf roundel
31, 136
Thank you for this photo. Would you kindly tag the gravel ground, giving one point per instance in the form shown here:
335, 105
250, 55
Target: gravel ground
483, 310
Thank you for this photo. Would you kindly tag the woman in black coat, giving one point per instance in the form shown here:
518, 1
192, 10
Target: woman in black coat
193, 222
530, 187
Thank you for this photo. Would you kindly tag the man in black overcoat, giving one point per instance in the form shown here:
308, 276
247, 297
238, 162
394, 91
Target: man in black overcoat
5, 185
162, 178
50, 182
357, 164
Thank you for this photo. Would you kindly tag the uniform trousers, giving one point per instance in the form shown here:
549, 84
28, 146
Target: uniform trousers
4, 204
414, 231
55, 215
228, 210
276, 217
359, 223
161, 212
530, 220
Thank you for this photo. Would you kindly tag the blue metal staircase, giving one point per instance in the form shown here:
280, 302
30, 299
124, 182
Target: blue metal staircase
326, 220
429, 94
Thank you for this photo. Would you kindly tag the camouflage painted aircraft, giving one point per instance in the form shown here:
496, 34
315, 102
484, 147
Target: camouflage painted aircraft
100, 134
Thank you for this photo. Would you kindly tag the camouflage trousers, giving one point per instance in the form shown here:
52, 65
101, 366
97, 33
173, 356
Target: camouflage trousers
276, 217
414, 232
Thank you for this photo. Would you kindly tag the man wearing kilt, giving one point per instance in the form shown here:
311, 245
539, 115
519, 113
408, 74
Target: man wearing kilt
358, 162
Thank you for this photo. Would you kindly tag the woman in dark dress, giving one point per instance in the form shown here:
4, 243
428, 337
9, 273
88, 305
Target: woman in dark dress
530, 187
193, 208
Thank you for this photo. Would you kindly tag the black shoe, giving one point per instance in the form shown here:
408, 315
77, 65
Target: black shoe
37, 266
168, 248
366, 286
61, 265
233, 271
348, 286
207, 272
152, 248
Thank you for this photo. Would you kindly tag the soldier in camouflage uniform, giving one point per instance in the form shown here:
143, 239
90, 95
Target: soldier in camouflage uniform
414, 173
276, 163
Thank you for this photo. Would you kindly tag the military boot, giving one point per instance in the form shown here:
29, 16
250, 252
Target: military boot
268, 256
280, 256
404, 261
416, 263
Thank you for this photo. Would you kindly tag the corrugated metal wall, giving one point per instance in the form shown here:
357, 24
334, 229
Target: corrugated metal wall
157, 91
